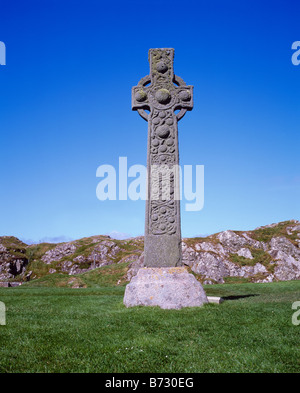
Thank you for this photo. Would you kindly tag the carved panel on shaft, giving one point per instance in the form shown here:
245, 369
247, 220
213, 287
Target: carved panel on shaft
162, 93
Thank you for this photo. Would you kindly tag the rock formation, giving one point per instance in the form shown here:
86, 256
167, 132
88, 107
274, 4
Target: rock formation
269, 253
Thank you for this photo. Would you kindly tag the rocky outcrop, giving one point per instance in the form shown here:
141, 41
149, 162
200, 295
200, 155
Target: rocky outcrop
261, 255
287, 258
103, 253
135, 266
13, 260
269, 253
243, 254
59, 252
30, 262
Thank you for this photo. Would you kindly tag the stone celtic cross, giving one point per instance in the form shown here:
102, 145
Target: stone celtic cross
162, 93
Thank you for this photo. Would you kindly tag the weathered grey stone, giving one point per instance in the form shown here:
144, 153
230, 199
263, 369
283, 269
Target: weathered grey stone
135, 266
292, 229
162, 282
59, 252
245, 252
215, 299
210, 247
254, 243
10, 284
13, 260
288, 268
166, 287
15, 284
232, 240
284, 245
162, 97
210, 266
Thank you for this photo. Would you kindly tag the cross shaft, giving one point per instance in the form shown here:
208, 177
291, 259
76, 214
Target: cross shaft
162, 93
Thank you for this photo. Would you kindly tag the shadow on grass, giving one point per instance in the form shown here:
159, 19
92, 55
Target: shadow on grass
236, 297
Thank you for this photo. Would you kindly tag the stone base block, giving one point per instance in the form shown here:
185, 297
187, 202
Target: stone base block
166, 287
215, 299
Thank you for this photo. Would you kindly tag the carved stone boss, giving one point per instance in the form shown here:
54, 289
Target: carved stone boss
162, 93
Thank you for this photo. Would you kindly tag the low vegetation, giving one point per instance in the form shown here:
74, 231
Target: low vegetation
259, 256
265, 234
102, 277
90, 330
14, 246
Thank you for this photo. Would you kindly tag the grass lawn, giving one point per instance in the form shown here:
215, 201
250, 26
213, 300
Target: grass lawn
89, 330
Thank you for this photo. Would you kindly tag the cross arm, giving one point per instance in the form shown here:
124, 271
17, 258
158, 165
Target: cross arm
184, 97
140, 97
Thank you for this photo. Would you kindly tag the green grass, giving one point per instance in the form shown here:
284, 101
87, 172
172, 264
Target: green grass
36, 251
89, 330
104, 276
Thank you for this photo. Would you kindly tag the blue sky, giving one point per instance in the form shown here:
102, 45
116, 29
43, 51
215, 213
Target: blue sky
65, 109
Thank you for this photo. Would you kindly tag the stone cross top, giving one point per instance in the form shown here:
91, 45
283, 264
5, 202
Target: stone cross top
162, 93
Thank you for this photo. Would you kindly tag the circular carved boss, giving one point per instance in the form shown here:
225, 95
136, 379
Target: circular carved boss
163, 96
142, 97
